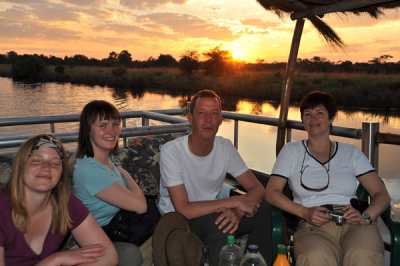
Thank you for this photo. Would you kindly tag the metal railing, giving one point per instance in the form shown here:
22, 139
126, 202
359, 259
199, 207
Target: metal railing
176, 124
369, 134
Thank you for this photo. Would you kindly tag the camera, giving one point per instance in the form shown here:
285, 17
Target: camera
338, 218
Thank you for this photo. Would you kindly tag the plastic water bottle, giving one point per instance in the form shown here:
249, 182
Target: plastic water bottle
230, 254
281, 258
253, 257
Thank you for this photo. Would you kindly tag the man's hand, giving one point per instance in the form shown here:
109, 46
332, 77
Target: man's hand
227, 221
245, 204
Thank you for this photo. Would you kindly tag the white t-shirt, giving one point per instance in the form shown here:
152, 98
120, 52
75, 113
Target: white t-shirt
202, 176
345, 166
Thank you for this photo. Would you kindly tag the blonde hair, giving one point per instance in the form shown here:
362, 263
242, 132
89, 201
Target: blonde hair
59, 197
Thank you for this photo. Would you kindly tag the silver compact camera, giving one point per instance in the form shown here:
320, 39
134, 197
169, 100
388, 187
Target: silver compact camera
338, 218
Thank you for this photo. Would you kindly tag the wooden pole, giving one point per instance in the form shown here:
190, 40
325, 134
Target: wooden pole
287, 85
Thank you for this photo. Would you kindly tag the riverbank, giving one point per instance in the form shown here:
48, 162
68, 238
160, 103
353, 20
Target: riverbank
352, 90
257, 142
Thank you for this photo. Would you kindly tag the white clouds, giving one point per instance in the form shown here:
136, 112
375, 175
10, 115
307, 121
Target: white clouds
258, 23
151, 27
85, 2
24, 2
149, 4
188, 26
54, 12
34, 30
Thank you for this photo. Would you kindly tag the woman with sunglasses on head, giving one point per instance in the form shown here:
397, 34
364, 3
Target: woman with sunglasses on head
37, 211
323, 176
102, 186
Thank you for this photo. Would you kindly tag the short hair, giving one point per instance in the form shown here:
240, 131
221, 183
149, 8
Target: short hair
315, 98
60, 194
93, 110
204, 94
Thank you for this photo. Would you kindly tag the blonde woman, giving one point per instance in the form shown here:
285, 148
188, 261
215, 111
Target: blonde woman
37, 210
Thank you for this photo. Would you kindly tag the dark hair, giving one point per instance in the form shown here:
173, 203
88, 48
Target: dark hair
315, 98
204, 94
93, 110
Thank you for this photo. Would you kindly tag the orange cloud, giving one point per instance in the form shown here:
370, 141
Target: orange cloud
148, 28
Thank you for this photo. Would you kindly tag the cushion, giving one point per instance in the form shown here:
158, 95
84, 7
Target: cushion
5, 167
141, 158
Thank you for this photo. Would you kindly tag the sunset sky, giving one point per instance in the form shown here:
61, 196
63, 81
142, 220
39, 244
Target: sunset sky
149, 28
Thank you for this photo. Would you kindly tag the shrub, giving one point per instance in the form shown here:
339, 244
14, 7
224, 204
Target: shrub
119, 71
27, 68
59, 69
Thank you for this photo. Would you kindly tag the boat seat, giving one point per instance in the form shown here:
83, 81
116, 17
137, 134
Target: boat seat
6, 160
284, 225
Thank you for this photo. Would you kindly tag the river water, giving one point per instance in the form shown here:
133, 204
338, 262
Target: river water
256, 142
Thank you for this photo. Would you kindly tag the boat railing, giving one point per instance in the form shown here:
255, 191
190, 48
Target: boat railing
369, 134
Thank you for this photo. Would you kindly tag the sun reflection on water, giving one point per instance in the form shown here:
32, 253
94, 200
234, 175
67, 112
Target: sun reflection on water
256, 142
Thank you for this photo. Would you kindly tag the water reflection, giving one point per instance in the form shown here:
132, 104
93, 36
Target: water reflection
256, 142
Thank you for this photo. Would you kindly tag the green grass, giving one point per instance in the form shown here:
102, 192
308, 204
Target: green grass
352, 90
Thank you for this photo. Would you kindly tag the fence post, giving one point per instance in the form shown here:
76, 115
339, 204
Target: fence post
369, 145
145, 121
288, 135
187, 108
123, 126
236, 134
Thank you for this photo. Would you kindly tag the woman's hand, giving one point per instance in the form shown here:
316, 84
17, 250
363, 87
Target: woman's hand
353, 216
88, 254
317, 215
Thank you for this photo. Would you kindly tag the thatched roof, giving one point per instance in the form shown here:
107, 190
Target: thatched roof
313, 10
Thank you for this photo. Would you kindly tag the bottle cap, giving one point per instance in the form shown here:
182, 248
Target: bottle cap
281, 249
231, 239
253, 248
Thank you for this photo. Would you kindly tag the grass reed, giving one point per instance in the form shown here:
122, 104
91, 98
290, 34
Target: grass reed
352, 90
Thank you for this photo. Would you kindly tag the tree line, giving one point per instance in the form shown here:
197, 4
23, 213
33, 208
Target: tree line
217, 62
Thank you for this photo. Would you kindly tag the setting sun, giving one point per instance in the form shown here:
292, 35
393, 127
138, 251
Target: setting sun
151, 28
237, 54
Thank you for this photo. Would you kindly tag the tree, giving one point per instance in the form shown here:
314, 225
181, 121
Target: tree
12, 57
317, 59
124, 58
77, 60
217, 62
113, 57
166, 60
27, 68
111, 60
189, 61
346, 66
80, 59
380, 60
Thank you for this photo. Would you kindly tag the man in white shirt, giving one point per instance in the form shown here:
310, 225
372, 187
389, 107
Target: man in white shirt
193, 169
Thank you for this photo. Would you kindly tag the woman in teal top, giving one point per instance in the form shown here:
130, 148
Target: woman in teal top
97, 182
